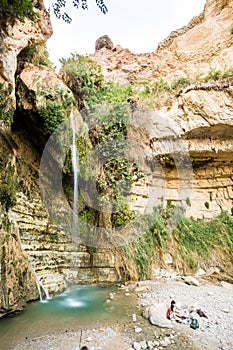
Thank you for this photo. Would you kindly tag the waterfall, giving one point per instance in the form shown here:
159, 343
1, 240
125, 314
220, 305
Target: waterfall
46, 294
14, 222
74, 152
37, 281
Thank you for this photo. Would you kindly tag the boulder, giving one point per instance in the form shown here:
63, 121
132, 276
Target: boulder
104, 41
156, 314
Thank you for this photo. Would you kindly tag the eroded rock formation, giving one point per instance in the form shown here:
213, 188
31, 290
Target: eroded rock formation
17, 281
16, 37
201, 114
200, 124
206, 42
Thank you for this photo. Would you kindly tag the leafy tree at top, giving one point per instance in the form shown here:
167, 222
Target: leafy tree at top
59, 5
19, 9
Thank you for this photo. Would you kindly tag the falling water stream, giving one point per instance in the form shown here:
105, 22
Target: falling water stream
37, 281
75, 175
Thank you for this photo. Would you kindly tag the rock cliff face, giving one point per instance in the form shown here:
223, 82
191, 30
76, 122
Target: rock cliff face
29, 242
201, 114
13, 40
206, 42
17, 281
201, 126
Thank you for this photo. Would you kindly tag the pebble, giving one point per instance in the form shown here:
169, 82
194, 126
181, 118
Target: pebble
225, 310
138, 330
111, 296
165, 342
150, 344
136, 346
143, 345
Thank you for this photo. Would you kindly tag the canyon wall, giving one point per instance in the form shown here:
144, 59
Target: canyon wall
201, 114
206, 42
200, 126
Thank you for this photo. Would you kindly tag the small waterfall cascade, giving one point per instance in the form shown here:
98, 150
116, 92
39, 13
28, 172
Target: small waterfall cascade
74, 152
37, 281
46, 294
14, 222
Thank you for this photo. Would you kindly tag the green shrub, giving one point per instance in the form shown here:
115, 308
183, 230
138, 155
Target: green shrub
57, 108
213, 74
228, 72
37, 55
114, 93
191, 242
84, 77
17, 9
53, 116
199, 239
160, 86
6, 104
8, 186
180, 83
148, 89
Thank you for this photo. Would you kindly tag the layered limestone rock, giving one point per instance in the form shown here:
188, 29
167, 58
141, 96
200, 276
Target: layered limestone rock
57, 260
199, 126
206, 119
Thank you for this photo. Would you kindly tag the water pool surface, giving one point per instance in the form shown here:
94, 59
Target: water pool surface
84, 306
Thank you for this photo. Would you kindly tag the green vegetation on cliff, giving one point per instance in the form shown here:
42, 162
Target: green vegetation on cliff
37, 55
106, 110
149, 92
17, 9
192, 243
108, 127
85, 79
6, 104
8, 185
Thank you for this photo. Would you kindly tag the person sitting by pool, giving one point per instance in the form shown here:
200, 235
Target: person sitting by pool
172, 312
